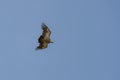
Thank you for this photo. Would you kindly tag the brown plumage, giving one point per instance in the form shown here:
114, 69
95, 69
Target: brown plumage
44, 39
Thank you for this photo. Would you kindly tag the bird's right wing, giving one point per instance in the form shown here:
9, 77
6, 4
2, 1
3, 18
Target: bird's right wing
46, 31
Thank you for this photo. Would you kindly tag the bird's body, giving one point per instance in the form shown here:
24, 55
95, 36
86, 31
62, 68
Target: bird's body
44, 39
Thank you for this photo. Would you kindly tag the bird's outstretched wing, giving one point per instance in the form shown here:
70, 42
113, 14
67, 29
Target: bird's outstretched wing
46, 31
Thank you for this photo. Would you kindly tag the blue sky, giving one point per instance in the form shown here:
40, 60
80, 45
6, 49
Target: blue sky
85, 34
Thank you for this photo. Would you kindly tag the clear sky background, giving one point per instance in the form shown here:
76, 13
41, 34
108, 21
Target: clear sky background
86, 35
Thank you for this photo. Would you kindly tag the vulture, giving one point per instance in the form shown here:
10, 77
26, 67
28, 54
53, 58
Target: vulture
44, 39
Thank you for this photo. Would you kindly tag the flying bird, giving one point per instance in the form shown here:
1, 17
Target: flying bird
44, 39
